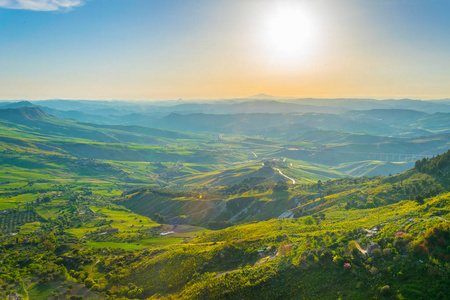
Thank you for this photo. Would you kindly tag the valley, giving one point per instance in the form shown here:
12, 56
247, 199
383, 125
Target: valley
287, 204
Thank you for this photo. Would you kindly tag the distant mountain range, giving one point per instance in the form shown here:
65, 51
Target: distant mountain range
325, 131
261, 117
254, 104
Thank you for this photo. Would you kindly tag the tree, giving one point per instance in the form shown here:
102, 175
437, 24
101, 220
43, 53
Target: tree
89, 282
420, 199
158, 218
46, 199
385, 290
309, 220
280, 186
48, 246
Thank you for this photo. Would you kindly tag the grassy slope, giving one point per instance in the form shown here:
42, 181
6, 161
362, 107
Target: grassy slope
226, 263
288, 277
277, 258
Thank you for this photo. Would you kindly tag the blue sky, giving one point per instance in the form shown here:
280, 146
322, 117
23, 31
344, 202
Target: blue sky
148, 50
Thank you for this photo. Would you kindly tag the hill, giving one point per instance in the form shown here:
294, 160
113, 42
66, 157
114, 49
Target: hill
350, 252
19, 104
40, 123
31, 129
22, 114
374, 135
349, 237
260, 197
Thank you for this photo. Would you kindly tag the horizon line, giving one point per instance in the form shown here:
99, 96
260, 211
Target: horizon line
254, 97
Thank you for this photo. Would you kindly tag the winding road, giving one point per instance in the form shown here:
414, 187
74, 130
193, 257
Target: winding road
291, 179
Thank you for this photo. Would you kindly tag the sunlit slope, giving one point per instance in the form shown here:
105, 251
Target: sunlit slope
253, 192
277, 169
259, 198
288, 259
349, 238
323, 256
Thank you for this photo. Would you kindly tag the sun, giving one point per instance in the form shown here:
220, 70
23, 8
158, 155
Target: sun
290, 33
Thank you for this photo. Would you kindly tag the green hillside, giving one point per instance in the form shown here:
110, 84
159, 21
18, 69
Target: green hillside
332, 248
128, 212
337, 250
349, 238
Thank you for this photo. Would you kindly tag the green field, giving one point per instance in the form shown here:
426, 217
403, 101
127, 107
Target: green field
124, 246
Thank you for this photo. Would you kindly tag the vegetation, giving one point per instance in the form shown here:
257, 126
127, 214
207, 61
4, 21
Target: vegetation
139, 213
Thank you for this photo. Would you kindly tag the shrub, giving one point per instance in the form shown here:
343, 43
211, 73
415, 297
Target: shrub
309, 220
373, 271
89, 282
437, 240
310, 257
135, 293
95, 287
376, 253
402, 243
338, 260
285, 248
420, 248
385, 290
325, 257
369, 205
352, 245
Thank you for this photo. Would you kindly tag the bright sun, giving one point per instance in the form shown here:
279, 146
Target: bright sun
290, 33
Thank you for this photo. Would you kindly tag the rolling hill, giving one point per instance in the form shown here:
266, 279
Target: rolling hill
129, 211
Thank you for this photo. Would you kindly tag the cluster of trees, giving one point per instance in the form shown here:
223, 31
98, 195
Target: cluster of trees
280, 186
436, 241
434, 166
159, 218
217, 225
259, 184
420, 190
333, 265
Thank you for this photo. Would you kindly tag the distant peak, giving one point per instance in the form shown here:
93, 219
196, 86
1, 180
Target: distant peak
270, 97
27, 103
18, 104
22, 113
263, 96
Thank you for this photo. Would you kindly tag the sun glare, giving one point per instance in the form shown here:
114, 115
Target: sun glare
290, 33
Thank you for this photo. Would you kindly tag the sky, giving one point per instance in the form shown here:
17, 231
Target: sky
205, 49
